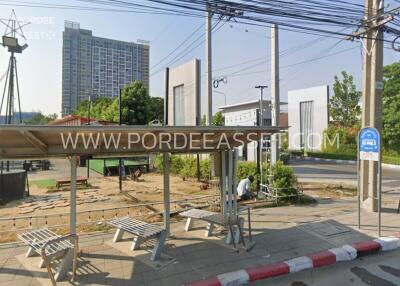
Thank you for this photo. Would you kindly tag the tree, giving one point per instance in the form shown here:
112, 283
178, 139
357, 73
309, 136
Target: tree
40, 119
218, 119
391, 106
156, 108
138, 108
344, 105
98, 108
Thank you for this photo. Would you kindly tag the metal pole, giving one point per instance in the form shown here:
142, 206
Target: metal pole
4, 91
166, 99
275, 96
379, 196
380, 188
18, 96
72, 220
358, 182
10, 111
261, 123
87, 159
208, 60
261, 139
166, 193
223, 184
119, 123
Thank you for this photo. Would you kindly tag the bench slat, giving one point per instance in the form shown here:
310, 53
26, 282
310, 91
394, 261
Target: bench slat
38, 238
136, 227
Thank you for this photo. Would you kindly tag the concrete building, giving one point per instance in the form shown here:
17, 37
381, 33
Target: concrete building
246, 114
184, 94
308, 117
94, 66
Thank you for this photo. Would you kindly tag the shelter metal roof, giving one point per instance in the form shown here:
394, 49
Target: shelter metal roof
23, 141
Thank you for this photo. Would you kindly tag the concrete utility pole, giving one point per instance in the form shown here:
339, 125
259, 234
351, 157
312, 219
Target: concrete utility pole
275, 97
372, 97
208, 60
260, 123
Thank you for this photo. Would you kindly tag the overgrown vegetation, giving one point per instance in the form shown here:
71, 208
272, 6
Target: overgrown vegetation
40, 119
344, 108
186, 167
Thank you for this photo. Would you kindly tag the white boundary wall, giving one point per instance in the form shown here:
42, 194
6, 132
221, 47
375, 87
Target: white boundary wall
319, 96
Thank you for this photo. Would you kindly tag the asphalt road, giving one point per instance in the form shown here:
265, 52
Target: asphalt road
340, 173
381, 269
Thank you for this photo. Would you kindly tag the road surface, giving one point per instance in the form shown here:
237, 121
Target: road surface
340, 173
382, 269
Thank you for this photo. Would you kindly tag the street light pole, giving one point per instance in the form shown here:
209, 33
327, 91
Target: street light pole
261, 123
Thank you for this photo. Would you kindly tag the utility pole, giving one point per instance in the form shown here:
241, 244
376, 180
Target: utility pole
260, 123
275, 97
208, 60
372, 96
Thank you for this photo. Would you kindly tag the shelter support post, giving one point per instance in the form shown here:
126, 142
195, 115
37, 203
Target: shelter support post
223, 184
166, 193
72, 219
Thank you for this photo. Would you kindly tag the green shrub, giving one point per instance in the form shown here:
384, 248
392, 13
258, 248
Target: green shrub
283, 176
285, 141
189, 168
295, 153
205, 169
175, 165
284, 157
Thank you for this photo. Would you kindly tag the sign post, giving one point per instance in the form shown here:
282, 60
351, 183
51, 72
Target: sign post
369, 149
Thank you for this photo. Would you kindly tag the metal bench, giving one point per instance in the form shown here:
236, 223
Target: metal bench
51, 246
142, 231
67, 182
213, 218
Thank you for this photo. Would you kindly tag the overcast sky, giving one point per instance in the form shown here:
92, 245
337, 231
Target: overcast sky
40, 67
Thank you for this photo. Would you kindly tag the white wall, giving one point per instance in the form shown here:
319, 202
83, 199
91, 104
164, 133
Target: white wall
319, 96
187, 75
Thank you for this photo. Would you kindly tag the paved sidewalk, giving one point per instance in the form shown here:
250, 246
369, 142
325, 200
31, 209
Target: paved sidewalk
280, 233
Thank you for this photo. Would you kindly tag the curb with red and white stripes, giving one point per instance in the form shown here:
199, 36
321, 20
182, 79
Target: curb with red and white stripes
315, 260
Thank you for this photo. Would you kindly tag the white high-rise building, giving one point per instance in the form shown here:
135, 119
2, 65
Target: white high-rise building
94, 66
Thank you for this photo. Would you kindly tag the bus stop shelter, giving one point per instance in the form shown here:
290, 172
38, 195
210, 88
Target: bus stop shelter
25, 142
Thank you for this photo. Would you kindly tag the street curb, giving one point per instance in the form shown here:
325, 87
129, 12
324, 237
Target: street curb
310, 261
327, 160
391, 166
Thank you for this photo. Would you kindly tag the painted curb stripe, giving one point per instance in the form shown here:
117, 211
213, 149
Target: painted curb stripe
235, 278
212, 281
344, 253
366, 247
314, 260
262, 272
299, 264
322, 258
388, 243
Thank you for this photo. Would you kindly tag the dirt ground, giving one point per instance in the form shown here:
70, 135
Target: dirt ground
103, 193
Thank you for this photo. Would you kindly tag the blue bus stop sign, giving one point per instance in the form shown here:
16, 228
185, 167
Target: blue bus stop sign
369, 144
